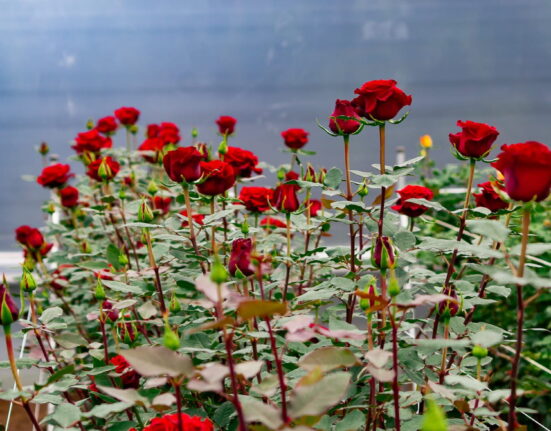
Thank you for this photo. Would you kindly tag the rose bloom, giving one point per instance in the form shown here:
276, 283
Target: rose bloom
54, 176
313, 206
155, 145
240, 257
244, 162
295, 138
344, 127
152, 130
226, 124
197, 218
29, 237
380, 99
69, 196
488, 198
183, 164
256, 199
127, 116
475, 139
169, 133
272, 223
169, 422
91, 141
162, 204
285, 198
526, 168
129, 377
107, 125
218, 176
94, 169
412, 192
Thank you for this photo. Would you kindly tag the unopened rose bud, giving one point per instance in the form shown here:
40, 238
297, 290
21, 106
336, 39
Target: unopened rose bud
479, 352
174, 305
223, 147
393, 287
321, 175
281, 174
309, 174
245, 227
367, 303
43, 149
363, 190
104, 171
9, 312
50, 208
90, 124
218, 273
382, 253
85, 247
203, 148
145, 214
152, 188
194, 133
99, 291
448, 308
28, 283
170, 339
123, 259
133, 129
425, 141
111, 313
122, 193
87, 158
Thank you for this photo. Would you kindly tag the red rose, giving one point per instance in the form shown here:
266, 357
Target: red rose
29, 236
112, 313
488, 198
295, 138
127, 115
217, 176
162, 204
197, 218
54, 175
313, 206
243, 162
412, 192
69, 196
256, 199
155, 145
129, 377
103, 169
169, 133
183, 164
240, 257
475, 140
527, 170
291, 175
9, 312
152, 130
272, 223
344, 127
169, 422
226, 124
380, 99
107, 125
91, 141
285, 198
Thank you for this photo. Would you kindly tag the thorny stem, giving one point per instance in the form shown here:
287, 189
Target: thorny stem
288, 254
382, 170
395, 386
192, 236
176, 385
444, 354
349, 196
153, 265
103, 335
280, 375
213, 229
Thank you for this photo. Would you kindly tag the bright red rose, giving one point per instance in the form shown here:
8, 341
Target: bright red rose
226, 124
107, 125
29, 236
344, 127
240, 257
217, 177
197, 218
291, 175
475, 140
129, 377
285, 198
380, 99
127, 115
527, 170
170, 423
272, 223
295, 138
104, 169
169, 133
91, 141
244, 162
488, 198
183, 164
162, 204
152, 130
313, 206
412, 192
54, 176
69, 196
9, 312
155, 145
256, 199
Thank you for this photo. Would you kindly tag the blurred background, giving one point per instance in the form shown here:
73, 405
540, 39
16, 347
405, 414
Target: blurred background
273, 64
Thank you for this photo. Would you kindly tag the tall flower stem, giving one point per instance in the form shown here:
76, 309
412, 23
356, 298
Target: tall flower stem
382, 170
153, 264
192, 236
444, 354
176, 386
279, 370
349, 195
395, 386
512, 421
213, 229
288, 254
103, 335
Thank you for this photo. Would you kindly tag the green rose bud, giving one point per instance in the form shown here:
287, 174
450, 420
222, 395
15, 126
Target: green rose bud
133, 129
194, 133
104, 170
393, 287
145, 215
9, 312
99, 292
170, 339
90, 124
479, 352
123, 259
28, 283
223, 147
152, 188
245, 227
363, 191
174, 305
218, 273
382, 253
434, 418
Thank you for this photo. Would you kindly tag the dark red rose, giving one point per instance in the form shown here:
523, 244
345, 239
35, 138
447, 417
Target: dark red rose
45, 249
240, 257
449, 305
244, 162
111, 313
91, 141
183, 164
162, 203
169, 133
152, 130
295, 138
127, 331
43, 149
475, 140
380, 99
129, 181
382, 253
412, 192
69, 196
54, 176
344, 127
256, 199
9, 312
272, 223
107, 125
217, 177
488, 197
313, 206
154, 145
29, 237
285, 198
527, 170
203, 148
291, 175
104, 169
197, 218
129, 377
226, 124
127, 115
170, 422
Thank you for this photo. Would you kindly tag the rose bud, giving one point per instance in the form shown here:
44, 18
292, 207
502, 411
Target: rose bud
295, 138
244, 162
393, 287
479, 352
203, 148
448, 308
272, 223
313, 206
371, 290
183, 164
43, 149
145, 215
127, 116
425, 141
217, 177
162, 204
526, 168
90, 124
174, 305
27, 283
411, 209
344, 127
54, 176
380, 99
256, 199
127, 331
226, 125
197, 218
194, 133
152, 188
488, 198
218, 272
240, 257
104, 169
321, 175
309, 174
111, 313
69, 196
382, 253
9, 312
285, 198
99, 291
107, 125
152, 131
152, 145
91, 142
170, 339
475, 140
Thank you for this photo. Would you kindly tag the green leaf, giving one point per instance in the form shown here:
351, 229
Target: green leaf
66, 414
113, 254
70, 340
352, 421
122, 287
327, 359
463, 248
486, 338
492, 229
534, 249
255, 410
333, 178
94, 265
104, 410
223, 414
404, 239
260, 308
122, 426
429, 204
439, 343
127, 395
153, 361
50, 313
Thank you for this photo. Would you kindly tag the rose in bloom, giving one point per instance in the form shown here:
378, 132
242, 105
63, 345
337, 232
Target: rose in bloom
54, 176
155, 145
183, 164
107, 125
170, 423
197, 218
162, 204
291, 175
344, 127
103, 169
285, 198
127, 115
152, 130
29, 237
129, 377
240, 257
217, 176
295, 138
412, 192
226, 124
488, 197
169, 133
256, 199
380, 99
272, 223
526, 168
91, 141
69, 196
9, 312
313, 206
244, 162
475, 139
